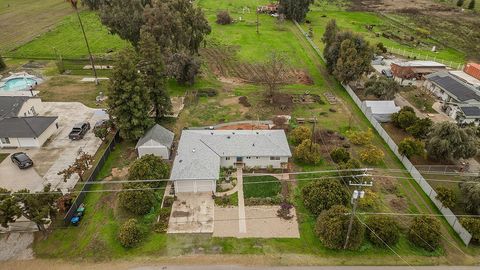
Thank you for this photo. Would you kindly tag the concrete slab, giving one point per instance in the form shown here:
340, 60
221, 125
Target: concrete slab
192, 213
261, 222
14, 179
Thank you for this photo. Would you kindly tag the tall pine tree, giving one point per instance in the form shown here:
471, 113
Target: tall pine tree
128, 98
154, 75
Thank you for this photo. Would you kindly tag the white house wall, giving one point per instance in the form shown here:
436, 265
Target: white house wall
159, 151
31, 107
262, 162
52, 129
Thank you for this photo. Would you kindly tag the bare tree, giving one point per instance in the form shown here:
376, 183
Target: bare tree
80, 166
271, 74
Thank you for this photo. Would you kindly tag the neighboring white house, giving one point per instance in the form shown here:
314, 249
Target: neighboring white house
157, 141
381, 110
20, 125
458, 97
26, 131
201, 154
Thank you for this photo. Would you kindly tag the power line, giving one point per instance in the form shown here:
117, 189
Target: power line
389, 247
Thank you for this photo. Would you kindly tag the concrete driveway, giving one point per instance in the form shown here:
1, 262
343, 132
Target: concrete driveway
192, 213
13, 178
58, 152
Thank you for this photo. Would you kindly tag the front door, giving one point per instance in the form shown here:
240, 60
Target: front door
239, 159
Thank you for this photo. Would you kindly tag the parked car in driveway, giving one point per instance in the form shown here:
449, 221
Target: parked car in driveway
21, 160
79, 130
387, 73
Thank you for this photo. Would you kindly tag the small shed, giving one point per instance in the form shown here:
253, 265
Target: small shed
157, 141
381, 110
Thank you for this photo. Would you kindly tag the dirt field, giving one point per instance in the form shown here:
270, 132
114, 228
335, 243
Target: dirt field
23, 20
223, 64
244, 127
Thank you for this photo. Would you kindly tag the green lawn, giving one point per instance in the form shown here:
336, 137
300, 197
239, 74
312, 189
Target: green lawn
261, 186
67, 40
3, 156
356, 22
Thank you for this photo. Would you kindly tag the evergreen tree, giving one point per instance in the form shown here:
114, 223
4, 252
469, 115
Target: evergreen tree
330, 34
350, 64
2, 64
295, 9
460, 3
447, 141
152, 66
9, 209
128, 100
38, 208
471, 5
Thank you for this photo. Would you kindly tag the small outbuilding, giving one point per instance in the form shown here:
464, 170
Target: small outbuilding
157, 141
381, 110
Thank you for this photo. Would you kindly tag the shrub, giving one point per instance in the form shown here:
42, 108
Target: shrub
381, 47
149, 167
350, 164
473, 227
410, 147
138, 201
370, 201
471, 195
299, 134
340, 155
371, 155
320, 195
332, 227
405, 118
168, 201
420, 128
163, 217
207, 92
446, 196
129, 234
284, 211
244, 101
275, 200
224, 18
2, 64
383, 227
308, 152
360, 137
424, 232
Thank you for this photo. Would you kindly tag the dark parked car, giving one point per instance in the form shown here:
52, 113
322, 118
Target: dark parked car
79, 130
387, 73
21, 160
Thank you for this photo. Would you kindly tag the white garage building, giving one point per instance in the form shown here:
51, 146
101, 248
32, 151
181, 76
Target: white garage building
157, 141
381, 110
201, 154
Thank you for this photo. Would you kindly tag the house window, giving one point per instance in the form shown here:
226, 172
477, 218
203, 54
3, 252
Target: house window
274, 158
227, 158
5, 140
249, 157
257, 157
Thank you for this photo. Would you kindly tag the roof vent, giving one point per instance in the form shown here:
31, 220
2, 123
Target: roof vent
193, 150
180, 161
253, 145
211, 133
233, 133
228, 137
258, 132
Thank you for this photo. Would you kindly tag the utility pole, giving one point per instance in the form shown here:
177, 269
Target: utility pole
313, 132
74, 4
357, 194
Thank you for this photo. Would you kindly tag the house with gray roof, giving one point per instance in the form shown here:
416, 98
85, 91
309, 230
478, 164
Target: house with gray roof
201, 154
461, 101
157, 141
20, 125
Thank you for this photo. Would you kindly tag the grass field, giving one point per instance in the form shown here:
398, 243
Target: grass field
261, 186
96, 237
356, 22
67, 40
23, 20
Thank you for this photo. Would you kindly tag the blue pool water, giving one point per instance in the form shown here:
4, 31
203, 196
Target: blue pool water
18, 84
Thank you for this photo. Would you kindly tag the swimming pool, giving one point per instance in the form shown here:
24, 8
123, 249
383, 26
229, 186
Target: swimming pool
17, 84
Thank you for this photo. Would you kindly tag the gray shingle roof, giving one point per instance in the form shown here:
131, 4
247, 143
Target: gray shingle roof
10, 106
463, 92
157, 135
199, 151
24, 127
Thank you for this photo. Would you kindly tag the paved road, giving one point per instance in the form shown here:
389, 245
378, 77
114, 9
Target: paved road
231, 267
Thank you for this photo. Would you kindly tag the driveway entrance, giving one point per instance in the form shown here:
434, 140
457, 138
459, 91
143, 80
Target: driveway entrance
192, 213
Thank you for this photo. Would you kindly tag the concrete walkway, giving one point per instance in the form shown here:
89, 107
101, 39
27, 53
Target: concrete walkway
242, 224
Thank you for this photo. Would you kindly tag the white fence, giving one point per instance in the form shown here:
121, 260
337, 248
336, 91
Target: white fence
447, 213
426, 57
